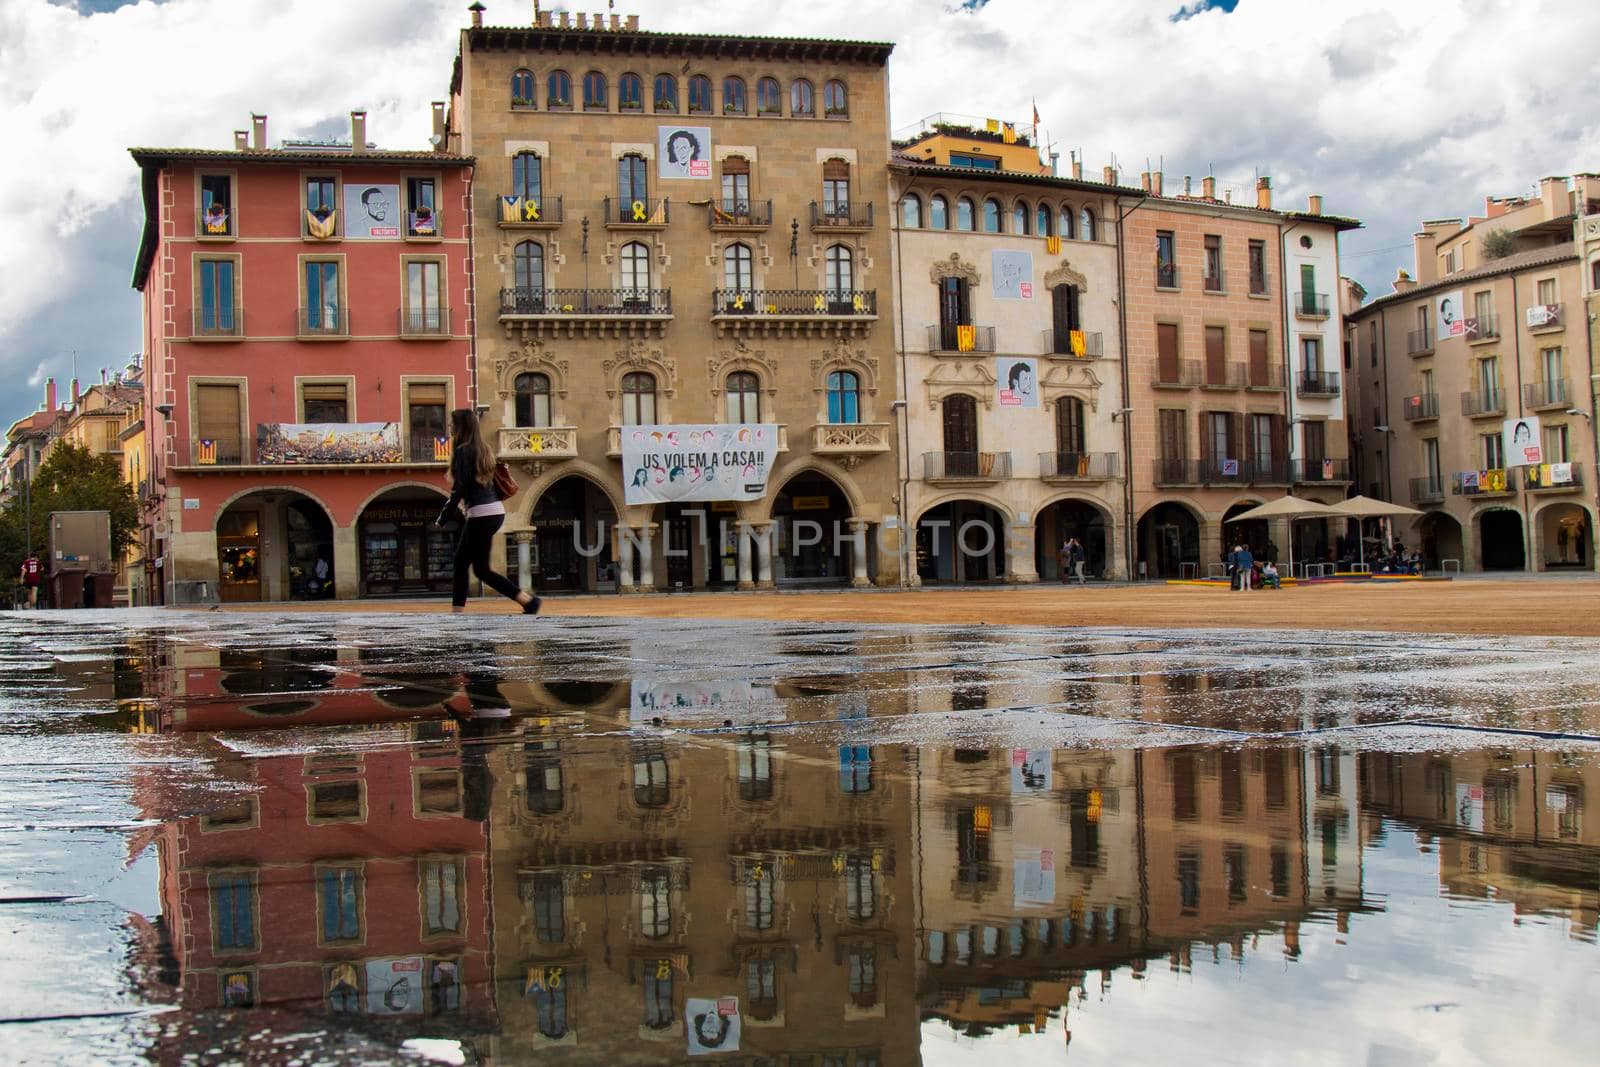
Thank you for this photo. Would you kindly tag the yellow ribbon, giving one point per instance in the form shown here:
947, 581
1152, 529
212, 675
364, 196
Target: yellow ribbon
639, 214
535, 443
530, 211
819, 303
858, 303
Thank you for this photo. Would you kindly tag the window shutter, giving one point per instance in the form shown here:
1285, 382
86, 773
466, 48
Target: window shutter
736, 165
835, 170
431, 393
324, 391
217, 416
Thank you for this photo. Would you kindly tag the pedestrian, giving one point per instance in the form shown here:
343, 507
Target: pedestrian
1064, 560
472, 487
1078, 557
31, 574
1246, 566
1231, 560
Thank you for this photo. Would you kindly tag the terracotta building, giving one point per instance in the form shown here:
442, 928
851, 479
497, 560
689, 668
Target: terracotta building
308, 328
682, 229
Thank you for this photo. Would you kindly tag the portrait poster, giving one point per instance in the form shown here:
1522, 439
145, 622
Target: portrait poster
1523, 445
1030, 770
330, 442
1018, 382
722, 461
1033, 877
1013, 274
371, 210
683, 151
1469, 807
713, 1024
1449, 315
655, 697
394, 986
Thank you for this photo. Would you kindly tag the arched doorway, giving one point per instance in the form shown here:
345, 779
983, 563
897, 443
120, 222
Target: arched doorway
811, 515
571, 547
1500, 539
1440, 536
961, 541
1169, 534
400, 552
1565, 538
1071, 518
1252, 533
274, 544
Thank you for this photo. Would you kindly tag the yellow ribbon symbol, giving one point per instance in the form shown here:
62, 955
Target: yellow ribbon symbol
738, 302
819, 303
530, 211
639, 212
838, 864
663, 970
535, 443
552, 978
859, 304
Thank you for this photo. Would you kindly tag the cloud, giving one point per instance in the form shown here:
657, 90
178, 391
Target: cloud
36, 379
1189, 11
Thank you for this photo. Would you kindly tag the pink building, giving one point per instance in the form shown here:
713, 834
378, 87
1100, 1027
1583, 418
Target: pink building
308, 328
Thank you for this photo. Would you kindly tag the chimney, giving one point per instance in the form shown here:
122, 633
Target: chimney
241, 140
258, 131
1155, 183
1264, 193
583, 21
1188, 189
566, 20
1144, 180
1227, 196
441, 142
616, 22
1055, 164
358, 133
77, 393
1077, 169
1553, 191
1315, 200
50, 394
632, 23
1403, 282
1208, 187
477, 10
1109, 175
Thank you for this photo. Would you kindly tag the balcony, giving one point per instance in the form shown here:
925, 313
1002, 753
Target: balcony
1215, 471
797, 312
530, 213
1545, 318
1183, 374
218, 324
207, 452
644, 214
1538, 481
1214, 281
1494, 482
429, 447
1078, 344
959, 339
1419, 342
1481, 330
614, 440
1266, 377
323, 324
1310, 305
537, 444
424, 323
1483, 403
1320, 471
841, 218
1166, 275
1177, 472
1542, 395
325, 446
848, 443
1225, 376
1266, 472
1077, 466
1427, 490
586, 312
1316, 383
1420, 406
966, 467
752, 217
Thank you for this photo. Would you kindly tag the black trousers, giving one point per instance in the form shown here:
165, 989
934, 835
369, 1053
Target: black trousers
472, 554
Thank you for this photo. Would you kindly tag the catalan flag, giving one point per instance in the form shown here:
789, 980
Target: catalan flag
966, 338
441, 449
322, 228
511, 209
208, 452
1008, 133
1052, 245
992, 125
1078, 343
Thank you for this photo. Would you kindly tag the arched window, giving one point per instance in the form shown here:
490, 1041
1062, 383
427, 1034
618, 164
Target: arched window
801, 98
522, 88
630, 93
840, 266
744, 397
595, 92
734, 101
699, 95
666, 94
738, 270
835, 101
558, 90
1086, 225
639, 409
632, 183
844, 397
769, 97
1069, 221
528, 266
533, 400
991, 216
652, 785
910, 212
636, 267
1043, 221
966, 215
527, 177
939, 213
1019, 218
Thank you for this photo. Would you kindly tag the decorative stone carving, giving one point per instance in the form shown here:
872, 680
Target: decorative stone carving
742, 357
1065, 274
1070, 379
972, 377
533, 356
842, 355
954, 267
636, 355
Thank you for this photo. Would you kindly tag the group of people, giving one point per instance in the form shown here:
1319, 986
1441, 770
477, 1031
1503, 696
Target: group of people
1245, 572
1398, 561
1071, 559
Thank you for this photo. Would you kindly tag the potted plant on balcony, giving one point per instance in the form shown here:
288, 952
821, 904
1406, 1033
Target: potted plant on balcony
521, 103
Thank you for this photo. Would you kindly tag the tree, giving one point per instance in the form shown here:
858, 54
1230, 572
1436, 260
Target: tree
70, 479
1498, 244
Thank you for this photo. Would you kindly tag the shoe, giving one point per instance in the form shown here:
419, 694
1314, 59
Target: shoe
532, 606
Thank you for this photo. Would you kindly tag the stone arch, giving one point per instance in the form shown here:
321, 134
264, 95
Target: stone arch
808, 465
1064, 273
976, 495
954, 267
432, 487
295, 489
1500, 552
590, 472
1195, 510
844, 355
742, 358
972, 378
532, 356
1550, 548
1076, 496
638, 356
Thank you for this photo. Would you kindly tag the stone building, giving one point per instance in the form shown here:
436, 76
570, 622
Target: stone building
683, 229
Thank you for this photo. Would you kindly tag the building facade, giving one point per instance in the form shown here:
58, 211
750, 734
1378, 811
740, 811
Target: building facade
683, 229
308, 323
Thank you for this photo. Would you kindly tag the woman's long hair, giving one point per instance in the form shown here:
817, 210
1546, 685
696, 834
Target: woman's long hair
469, 435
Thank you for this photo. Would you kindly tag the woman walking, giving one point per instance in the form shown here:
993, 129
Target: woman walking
472, 486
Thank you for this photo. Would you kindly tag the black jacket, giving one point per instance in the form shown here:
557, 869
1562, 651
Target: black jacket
464, 485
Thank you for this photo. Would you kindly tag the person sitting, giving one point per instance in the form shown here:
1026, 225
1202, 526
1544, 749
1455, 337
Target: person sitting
1269, 576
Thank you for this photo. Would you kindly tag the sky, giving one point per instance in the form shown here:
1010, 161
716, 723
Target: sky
1393, 110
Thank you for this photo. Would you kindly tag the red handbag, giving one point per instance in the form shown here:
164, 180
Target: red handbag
504, 483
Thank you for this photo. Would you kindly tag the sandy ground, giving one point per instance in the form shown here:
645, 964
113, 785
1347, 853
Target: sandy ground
1543, 607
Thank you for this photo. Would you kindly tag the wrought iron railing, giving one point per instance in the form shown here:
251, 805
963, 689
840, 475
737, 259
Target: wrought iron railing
424, 322
971, 465
428, 446
219, 322
1265, 376
956, 337
324, 322
1476, 402
787, 302
1545, 394
1427, 490
1554, 476
1214, 280
742, 213
1316, 383
514, 210
849, 216
1225, 376
1166, 275
1176, 471
1421, 406
1067, 343
1419, 342
555, 303
644, 211
1182, 374
1311, 305
1078, 466
1311, 471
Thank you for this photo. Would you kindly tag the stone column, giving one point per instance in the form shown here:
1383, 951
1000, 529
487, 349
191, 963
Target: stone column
762, 532
1211, 543
346, 564
524, 560
858, 553
647, 558
743, 534
624, 560
1022, 568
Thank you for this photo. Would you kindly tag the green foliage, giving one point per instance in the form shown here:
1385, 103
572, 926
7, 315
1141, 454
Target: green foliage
1498, 244
70, 479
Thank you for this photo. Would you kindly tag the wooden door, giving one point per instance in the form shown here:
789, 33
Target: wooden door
960, 436
954, 310
1259, 374
1063, 317
1167, 351
680, 558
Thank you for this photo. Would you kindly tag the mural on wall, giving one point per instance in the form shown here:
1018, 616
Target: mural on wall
1013, 275
683, 151
371, 211
1018, 382
1449, 320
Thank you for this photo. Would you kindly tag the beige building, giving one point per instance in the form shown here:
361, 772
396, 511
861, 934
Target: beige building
1492, 330
682, 229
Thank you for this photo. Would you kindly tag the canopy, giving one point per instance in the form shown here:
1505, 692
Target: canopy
1290, 506
1364, 507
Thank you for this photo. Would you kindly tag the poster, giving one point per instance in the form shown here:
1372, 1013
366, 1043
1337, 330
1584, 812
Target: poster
721, 461
713, 1024
328, 442
655, 697
683, 151
1522, 442
1018, 382
1013, 275
1030, 770
1469, 807
1448, 312
1541, 315
1033, 877
394, 986
371, 210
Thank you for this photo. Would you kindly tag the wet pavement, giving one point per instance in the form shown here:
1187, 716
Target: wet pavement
487, 839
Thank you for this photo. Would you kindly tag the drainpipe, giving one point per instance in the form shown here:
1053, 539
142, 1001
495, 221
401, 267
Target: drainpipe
908, 548
1130, 537
1522, 491
1388, 414
1594, 431
1288, 369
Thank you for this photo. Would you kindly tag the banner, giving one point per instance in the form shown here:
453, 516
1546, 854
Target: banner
683, 151
723, 461
1013, 275
1522, 442
1030, 770
652, 698
713, 1024
371, 210
394, 986
1448, 319
1033, 877
328, 442
1018, 382
1540, 315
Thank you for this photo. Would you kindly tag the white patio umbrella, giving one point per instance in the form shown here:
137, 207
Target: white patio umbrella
1364, 507
1291, 507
